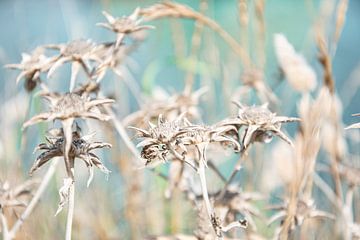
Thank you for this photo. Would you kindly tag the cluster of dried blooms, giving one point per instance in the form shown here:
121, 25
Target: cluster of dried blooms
82, 102
170, 131
186, 142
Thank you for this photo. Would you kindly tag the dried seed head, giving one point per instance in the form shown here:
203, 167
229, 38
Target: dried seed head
31, 66
124, 25
70, 105
261, 124
80, 148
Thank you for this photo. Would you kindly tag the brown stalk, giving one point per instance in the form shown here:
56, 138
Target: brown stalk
325, 60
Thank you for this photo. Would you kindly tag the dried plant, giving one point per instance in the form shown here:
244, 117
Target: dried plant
12, 197
261, 124
198, 152
80, 148
304, 210
124, 25
79, 53
31, 66
70, 106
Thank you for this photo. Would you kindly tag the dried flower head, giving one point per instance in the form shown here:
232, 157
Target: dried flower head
81, 148
124, 25
79, 53
304, 210
170, 107
297, 71
235, 202
201, 136
159, 140
31, 66
355, 125
18, 196
70, 105
261, 124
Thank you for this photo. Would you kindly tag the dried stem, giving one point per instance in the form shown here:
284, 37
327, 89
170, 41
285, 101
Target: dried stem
122, 132
43, 185
233, 174
170, 9
4, 226
205, 194
70, 215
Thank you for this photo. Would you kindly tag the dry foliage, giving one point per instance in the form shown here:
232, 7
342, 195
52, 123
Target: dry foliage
171, 131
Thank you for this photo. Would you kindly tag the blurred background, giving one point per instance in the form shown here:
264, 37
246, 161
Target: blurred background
106, 210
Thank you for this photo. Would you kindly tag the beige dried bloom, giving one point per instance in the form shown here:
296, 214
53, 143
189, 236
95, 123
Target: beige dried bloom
78, 52
66, 107
297, 71
81, 148
159, 139
261, 124
31, 66
170, 107
70, 105
201, 136
304, 210
355, 125
235, 202
18, 196
124, 25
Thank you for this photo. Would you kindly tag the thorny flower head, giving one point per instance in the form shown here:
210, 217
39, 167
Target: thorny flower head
70, 105
81, 148
158, 139
201, 136
78, 52
124, 25
355, 125
11, 197
261, 124
31, 66
175, 136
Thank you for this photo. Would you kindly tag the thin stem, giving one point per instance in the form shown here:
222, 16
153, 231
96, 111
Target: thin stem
123, 134
235, 224
213, 167
70, 215
324, 187
6, 235
209, 209
233, 174
30, 207
180, 157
